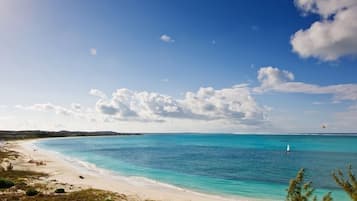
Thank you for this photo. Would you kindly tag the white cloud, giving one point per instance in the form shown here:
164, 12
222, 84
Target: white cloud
165, 80
166, 38
334, 36
76, 106
75, 110
98, 93
233, 104
93, 51
274, 79
207, 109
270, 76
325, 8
47, 107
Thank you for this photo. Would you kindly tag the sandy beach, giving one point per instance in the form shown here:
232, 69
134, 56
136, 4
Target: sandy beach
67, 173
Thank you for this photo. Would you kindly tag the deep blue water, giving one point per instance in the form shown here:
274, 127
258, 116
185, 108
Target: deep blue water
245, 165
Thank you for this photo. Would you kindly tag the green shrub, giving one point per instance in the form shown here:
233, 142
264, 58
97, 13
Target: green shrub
4, 183
347, 182
31, 192
299, 190
59, 190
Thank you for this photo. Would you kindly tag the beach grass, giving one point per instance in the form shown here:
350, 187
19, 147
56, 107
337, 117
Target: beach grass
25, 183
21, 175
82, 195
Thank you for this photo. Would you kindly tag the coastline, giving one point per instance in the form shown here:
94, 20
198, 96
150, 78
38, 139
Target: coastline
66, 171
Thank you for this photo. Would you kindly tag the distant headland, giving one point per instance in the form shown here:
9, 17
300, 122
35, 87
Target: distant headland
29, 134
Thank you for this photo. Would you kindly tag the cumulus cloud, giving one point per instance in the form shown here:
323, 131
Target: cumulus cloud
270, 76
166, 38
235, 103
142, 106
325, 8
334, 36
231, 104
274, 79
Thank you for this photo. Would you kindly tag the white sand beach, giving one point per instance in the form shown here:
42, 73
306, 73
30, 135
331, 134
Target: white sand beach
66, 172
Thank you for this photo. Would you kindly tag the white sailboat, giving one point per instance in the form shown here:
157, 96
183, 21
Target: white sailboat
288, 148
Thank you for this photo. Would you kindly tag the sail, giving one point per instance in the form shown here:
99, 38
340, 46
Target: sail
288, 148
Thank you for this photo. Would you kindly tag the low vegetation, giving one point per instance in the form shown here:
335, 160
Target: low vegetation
20, 175
4, 183
82, 195
18, 185
60, 190
31, 192
299, 190
349, 184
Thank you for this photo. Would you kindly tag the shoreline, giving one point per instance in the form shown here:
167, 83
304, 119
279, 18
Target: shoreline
62, 169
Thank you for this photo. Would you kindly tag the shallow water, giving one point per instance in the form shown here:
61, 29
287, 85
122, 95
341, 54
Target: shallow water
254, 166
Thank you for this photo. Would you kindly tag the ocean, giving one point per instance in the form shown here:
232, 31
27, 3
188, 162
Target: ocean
254, 166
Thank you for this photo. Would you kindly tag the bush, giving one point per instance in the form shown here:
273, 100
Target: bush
4, 183
347, 183
31, 192
299, 190
59, 190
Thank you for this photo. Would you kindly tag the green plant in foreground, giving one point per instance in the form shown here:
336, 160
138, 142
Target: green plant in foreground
349, 185
299, 190
327, 197
59, 190
31, 192
4, 183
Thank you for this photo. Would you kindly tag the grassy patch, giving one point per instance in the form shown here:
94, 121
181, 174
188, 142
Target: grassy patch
17, 178
21, 191
5, 154
31, 192
4, 183
83, 195
20, 175
60, 190
16, 175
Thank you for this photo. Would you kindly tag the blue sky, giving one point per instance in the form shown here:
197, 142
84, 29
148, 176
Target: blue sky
201, 66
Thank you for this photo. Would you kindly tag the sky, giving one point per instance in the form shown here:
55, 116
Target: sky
253, 66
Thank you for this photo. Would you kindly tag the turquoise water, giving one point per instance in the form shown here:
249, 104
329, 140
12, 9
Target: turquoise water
254, 166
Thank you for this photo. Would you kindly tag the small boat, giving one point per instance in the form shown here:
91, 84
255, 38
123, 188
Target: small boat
288, 148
